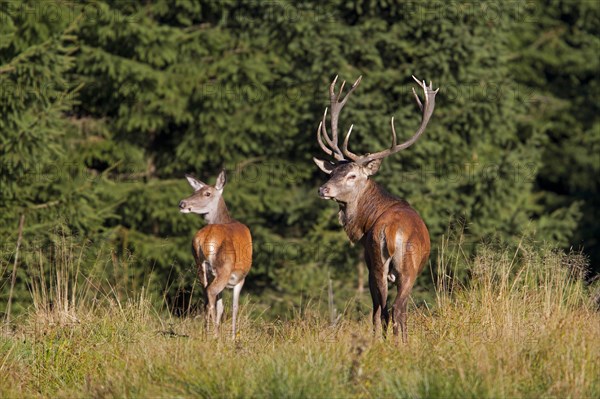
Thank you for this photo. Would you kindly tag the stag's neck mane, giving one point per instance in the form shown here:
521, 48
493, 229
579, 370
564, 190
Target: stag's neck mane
220, 215
359, 216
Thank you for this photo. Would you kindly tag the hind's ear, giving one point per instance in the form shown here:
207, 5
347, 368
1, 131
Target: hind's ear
195, 183
325, 166
221, 180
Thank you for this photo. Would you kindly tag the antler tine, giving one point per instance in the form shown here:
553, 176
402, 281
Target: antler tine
337, 105
354, 86
334, 111
324, 128
417, 98
345, 149
341, 89
393, 133
323, 146
330, 146
332, 87
333, 147
422, 84
426, 108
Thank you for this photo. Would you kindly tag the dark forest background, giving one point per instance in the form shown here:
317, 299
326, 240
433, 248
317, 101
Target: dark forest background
105, 105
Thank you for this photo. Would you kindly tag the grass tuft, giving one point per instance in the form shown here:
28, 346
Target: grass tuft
525, 325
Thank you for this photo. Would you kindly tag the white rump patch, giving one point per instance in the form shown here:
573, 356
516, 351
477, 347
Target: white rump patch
399, 254
208, 273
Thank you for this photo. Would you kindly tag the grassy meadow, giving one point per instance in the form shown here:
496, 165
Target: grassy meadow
105, 106
524, 326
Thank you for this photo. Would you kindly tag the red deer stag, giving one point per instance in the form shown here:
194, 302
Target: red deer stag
394, 237
222, 249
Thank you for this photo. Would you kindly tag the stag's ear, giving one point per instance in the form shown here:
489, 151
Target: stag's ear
372, 167
221, 180
195, 183
325, 166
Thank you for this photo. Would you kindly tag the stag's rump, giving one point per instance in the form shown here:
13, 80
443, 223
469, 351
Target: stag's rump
405, 239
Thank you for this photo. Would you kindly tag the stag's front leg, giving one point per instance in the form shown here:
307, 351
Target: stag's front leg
379, 289
376, 305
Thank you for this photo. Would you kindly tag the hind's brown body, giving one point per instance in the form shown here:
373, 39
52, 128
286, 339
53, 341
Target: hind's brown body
228, 245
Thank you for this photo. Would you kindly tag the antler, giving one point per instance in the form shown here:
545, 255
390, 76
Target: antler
332, 147
426, 109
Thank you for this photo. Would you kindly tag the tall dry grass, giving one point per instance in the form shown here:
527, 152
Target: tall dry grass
525, 325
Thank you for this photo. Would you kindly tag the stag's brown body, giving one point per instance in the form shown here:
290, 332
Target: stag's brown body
396, 244
394, 236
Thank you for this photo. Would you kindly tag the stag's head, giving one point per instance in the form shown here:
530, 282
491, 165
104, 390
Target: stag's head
350, 172
205, 199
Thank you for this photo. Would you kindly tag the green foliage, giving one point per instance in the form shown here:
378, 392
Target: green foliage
105, 105
559, 63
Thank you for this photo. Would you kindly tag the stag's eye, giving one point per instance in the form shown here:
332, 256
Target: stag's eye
351, 177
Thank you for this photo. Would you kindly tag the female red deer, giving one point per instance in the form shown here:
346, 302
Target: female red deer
394, 237
222, 249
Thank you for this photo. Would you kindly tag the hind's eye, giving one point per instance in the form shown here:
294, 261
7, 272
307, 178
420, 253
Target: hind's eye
207, 194
351, 177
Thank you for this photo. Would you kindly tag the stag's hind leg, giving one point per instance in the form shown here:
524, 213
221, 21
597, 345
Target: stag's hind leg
403, 267
400, 307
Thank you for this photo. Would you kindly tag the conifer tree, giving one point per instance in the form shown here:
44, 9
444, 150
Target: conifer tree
105, 106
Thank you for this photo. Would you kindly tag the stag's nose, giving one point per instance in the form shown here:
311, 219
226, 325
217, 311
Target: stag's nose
181, 204
323, 191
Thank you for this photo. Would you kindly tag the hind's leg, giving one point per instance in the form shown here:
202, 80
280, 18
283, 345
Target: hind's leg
236, 297
219, 308
215, 302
